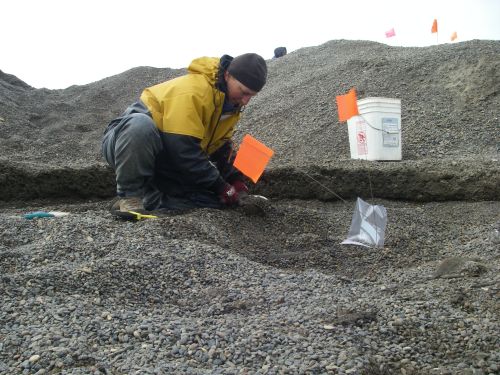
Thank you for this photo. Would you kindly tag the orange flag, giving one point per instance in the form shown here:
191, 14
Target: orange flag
347, 105
252, 158
453, 36
434, 26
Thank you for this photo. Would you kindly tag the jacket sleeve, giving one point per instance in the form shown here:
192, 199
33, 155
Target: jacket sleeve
183, 155
224, 159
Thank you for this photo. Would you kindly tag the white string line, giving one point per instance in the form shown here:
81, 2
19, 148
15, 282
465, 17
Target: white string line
325, 187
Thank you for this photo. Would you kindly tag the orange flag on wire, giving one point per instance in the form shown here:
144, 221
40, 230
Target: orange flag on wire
453, 36
347, 105
252, 158
434, 26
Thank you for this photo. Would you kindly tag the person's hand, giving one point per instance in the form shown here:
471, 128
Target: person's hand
240, 187
229, 195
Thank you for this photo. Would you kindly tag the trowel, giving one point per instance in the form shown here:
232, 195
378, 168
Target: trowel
253, 205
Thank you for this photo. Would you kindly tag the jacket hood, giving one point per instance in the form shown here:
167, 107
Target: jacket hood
213, 68
208, 66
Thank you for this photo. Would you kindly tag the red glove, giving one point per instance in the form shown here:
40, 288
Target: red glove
229, 195
240, 187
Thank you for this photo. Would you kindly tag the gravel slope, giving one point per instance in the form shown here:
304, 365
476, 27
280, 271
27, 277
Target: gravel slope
228, 292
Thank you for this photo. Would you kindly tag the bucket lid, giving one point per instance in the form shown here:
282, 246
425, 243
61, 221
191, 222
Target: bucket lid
379, 100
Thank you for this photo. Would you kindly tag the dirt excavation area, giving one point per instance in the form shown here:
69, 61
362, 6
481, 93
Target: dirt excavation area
269, 292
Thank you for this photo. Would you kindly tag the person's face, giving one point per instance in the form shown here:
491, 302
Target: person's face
237, 92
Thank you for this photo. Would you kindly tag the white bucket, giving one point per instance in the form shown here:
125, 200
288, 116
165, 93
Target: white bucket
375, 134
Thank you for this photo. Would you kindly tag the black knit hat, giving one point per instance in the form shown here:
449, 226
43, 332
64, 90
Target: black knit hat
250, 69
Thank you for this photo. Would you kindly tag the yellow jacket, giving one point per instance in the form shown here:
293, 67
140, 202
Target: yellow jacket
192, 105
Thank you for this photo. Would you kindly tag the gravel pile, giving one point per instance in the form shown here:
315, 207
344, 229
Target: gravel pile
229, 292
449, 96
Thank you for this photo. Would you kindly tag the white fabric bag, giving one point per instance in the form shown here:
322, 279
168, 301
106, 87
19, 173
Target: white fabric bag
367, 226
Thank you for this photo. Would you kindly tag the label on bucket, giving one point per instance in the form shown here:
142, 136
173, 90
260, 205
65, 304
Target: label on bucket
361, 138
390, 132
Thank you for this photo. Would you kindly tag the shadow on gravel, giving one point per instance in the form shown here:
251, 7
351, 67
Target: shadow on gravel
300, 235
421, 181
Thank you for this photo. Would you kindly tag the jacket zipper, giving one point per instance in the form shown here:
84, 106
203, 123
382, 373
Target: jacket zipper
215, 128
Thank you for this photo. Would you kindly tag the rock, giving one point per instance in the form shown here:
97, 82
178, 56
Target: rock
459, 267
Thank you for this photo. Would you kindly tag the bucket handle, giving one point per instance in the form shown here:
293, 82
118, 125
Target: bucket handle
373, 127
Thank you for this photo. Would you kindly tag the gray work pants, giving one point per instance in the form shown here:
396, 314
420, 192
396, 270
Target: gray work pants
130, 146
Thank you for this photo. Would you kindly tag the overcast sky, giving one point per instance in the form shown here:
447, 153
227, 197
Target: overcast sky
58, 43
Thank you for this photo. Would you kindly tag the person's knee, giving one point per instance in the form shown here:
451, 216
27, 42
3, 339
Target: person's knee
139, 133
